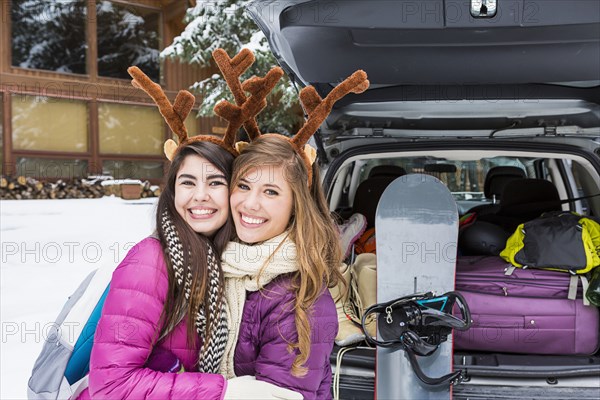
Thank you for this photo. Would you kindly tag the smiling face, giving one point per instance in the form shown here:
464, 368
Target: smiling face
261, 204
201, 195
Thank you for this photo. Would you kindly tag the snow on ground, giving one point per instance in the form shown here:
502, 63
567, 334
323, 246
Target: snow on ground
47, 248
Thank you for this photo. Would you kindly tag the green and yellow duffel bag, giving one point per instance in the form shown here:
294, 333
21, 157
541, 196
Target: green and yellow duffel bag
561, 241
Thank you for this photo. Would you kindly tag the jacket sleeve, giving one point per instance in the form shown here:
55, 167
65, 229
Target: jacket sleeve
128, 330
278, 329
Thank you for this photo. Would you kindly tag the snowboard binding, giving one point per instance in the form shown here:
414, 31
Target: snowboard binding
418, 324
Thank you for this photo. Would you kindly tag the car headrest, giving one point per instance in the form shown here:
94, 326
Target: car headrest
367, 197
498, 177
529, 198
387, 170
370, 190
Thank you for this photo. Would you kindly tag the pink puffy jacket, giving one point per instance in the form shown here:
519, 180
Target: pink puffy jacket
127, 334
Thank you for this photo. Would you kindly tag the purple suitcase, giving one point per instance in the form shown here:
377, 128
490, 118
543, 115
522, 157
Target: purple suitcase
525, 312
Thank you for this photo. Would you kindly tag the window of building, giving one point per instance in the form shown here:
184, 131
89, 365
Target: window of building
127, 129
98, 128
49, 169
127, 36
133, 169
49, 124
49, 35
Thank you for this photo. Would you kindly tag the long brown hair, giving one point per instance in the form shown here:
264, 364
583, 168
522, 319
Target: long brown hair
311, 228
195, 246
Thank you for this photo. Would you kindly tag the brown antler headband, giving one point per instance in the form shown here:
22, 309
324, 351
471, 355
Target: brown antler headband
176, 113
246, 108
245, 111
318, 109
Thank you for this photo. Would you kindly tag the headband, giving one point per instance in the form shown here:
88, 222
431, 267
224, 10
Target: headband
246, 109
175, 115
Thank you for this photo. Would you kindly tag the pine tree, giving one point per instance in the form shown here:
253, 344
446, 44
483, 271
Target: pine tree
126, 38
49, 35
224, 24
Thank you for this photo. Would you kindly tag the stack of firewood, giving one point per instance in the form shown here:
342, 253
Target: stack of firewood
21, 188
130, 189
149, 191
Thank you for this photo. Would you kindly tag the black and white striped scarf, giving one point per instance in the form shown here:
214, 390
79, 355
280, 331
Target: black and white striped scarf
213, 346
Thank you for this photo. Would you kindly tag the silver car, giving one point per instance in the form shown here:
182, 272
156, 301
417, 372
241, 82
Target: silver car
458, 90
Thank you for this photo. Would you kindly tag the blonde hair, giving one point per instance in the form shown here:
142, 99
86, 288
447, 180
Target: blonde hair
311, 228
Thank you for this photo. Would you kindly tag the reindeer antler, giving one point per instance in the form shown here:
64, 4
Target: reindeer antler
175, 114
243, 113
318, 109
246, 108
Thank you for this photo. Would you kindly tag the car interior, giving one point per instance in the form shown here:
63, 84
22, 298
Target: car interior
477, 182
502, 187
502, 107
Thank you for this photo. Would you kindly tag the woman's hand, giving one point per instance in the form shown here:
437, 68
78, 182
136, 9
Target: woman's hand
163, 360
248, 388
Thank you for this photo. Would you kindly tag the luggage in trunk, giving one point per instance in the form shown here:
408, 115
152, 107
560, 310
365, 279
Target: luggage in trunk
527, 311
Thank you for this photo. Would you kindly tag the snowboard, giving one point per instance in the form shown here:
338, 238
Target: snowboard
417, 231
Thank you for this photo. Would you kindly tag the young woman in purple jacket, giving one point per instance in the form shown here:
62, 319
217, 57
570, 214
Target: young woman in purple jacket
278, 272
282, 318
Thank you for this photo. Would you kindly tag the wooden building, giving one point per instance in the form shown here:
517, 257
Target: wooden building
67, 108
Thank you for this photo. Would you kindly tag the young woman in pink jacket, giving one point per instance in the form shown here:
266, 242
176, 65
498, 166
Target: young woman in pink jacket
165, 295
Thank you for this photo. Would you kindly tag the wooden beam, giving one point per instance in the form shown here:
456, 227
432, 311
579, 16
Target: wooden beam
8, 162
95, 166
132, 157
5, 44
92, 41
73, 87
85, 156
50, 154
175, 11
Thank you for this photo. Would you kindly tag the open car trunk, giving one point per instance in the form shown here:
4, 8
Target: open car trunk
457, 88
573, 170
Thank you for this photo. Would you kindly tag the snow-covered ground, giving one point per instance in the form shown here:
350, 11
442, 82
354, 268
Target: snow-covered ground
47, 248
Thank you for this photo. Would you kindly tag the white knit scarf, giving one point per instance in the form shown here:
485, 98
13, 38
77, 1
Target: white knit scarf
241, 265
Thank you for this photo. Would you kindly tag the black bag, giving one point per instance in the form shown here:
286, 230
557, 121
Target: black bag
559, 240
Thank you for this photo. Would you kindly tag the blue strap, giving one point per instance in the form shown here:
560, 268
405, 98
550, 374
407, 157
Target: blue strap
79, 363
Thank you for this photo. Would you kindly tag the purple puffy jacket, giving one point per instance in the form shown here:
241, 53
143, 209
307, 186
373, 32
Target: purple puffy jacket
127, 333
266, 329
